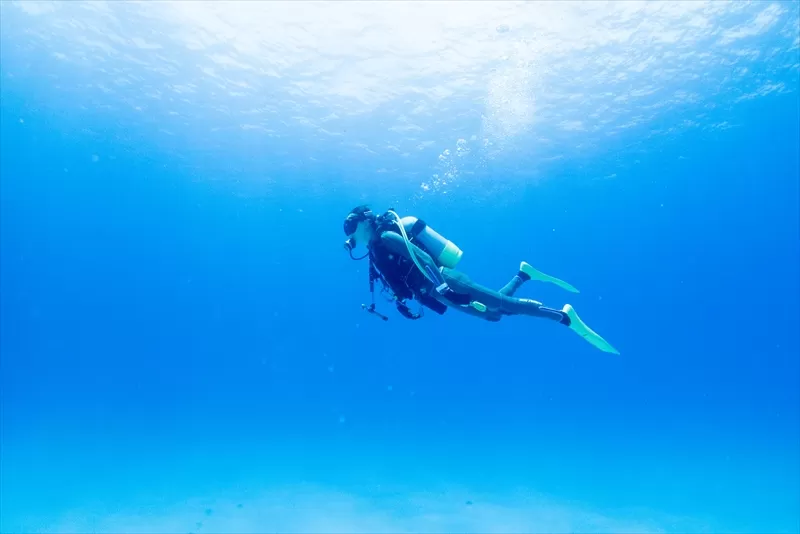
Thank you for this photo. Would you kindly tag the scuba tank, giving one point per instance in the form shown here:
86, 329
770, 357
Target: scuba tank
442, 250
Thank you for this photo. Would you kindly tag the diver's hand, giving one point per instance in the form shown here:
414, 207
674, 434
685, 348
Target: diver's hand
406, 312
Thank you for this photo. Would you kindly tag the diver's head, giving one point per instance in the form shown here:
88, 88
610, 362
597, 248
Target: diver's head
359, 227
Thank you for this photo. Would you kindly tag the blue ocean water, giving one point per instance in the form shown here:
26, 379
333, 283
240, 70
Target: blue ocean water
182, 342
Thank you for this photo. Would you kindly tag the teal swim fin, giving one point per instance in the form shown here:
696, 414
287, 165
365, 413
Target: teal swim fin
580, 328
541, 277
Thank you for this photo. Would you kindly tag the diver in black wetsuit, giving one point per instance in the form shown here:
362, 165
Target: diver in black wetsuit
414, 262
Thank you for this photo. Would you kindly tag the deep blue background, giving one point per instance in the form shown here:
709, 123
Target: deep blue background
160, 330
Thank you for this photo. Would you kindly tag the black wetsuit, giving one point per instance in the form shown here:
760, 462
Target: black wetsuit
389, 254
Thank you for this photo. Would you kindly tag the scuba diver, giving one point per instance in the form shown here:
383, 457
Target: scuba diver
413, 262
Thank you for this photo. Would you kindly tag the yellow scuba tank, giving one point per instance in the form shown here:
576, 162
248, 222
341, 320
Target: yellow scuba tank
442, 250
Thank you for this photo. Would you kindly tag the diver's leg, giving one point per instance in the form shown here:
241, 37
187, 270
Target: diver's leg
489, 315
463, 306
504, 305
515, 283
495, 300
534, 308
